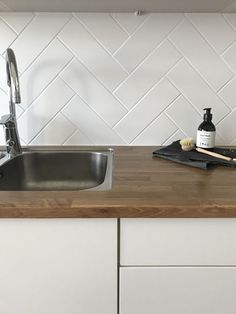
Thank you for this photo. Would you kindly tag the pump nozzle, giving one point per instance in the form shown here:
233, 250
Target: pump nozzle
207, 116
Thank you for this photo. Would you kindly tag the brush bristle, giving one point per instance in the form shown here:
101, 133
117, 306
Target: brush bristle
187, 144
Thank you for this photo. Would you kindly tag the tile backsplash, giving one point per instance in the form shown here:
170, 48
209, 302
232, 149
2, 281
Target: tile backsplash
120, 79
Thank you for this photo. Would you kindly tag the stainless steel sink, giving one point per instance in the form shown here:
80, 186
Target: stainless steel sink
58, 171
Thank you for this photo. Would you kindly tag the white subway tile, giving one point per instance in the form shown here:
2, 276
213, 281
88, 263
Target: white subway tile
105, 29
17, 20
141, 43
43, 109
185, 116
228, 94
4, 104
78, 138
231, 18
93, 93
157, 132
196, 90
92, 54
147, 74
227, 128
7, 36
56, 132
129, 21
175, 137
43, 71
147, 110
214, 28
229, 57
90, 124
195, 49
3, 76
36, 36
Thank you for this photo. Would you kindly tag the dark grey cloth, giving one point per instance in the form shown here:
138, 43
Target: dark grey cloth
193, 158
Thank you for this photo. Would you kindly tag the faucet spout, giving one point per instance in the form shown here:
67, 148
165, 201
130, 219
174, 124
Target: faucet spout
9, 121
12, 77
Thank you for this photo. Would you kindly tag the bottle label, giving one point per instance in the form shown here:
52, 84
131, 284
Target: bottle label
206, 139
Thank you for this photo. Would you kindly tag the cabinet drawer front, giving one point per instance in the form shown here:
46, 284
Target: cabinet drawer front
178, 290
157, 242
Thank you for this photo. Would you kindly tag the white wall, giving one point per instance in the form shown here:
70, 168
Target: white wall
119, 78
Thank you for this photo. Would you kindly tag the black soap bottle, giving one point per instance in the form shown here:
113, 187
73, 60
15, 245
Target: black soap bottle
206, 131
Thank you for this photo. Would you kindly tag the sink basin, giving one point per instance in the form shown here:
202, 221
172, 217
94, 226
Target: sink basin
58, 171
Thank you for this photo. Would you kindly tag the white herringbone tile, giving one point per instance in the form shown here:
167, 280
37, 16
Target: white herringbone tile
105, 29
89, 123
229, 57
7, 36
78, 138
231, 18
92, 54
120, 79
17, 20
193, 46
179, 110
196, 90
129, 21
147, 74
58, 130
175, 137
142, 42
43, 109
227, 127
45, 68
3, 77
37, 36
157, 132
215, 29
93, 93
228, 94
147, 110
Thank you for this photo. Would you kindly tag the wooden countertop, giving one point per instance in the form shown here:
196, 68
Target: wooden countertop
143, 186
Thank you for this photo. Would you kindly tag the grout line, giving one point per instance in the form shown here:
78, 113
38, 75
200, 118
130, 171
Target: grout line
68, 137
154, 119
223, 86
147, 92
51, 119
98, 115
77, 58
135, 31
47, 45
227, 21
90, 32
8, 25
168, 138
150, 54
209, 45
119, 24
77, 128
48, 85
21, 31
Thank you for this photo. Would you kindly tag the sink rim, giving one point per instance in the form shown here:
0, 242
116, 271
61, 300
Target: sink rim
109, 152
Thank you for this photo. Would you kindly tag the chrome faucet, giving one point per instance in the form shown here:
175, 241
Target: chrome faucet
9, 120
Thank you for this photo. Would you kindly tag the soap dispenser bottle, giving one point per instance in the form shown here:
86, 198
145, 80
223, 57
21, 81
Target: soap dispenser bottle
206, 131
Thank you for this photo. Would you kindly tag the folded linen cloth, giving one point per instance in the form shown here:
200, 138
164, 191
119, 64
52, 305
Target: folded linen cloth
193, 158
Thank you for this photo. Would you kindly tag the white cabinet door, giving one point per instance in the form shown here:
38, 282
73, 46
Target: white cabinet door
58, 266
178, 290
192, 242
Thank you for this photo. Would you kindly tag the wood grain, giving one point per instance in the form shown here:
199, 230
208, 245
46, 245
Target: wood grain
143, 186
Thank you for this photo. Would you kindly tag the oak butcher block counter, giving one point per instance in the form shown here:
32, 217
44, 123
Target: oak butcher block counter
143, 186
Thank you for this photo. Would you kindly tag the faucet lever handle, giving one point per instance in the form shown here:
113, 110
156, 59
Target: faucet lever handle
5, 119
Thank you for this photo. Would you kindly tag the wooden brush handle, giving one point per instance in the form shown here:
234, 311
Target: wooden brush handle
207, 152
